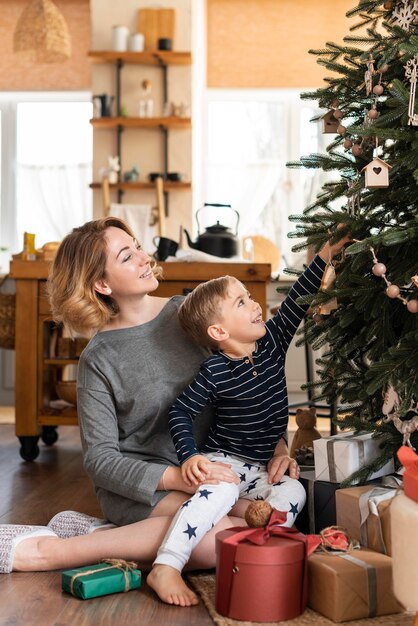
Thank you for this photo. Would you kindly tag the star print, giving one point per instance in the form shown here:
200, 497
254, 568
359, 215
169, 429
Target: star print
252, 485
204, 493
259, 498
248, 465
293, 509
281, 482
191, 532
242, 477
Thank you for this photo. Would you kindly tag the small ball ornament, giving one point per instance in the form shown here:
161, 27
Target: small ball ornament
373, 113
384, 68
379, 269
378, 90
338, 114
347, 144
357, 149
393, 291
341, 129
388, 5
258, 513
412, 306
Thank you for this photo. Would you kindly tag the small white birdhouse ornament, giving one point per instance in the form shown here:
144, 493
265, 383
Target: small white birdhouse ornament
329, 122
377, 173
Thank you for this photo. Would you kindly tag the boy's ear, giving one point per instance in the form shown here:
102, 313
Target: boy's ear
217, 332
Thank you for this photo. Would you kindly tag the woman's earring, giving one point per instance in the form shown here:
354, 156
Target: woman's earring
108, 291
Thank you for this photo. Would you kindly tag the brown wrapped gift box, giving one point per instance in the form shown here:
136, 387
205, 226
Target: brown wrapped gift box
351, 586
374, 532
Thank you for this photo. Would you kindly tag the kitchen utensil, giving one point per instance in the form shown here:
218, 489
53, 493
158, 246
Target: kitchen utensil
217, 239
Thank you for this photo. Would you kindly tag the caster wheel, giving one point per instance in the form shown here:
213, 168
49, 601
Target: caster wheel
49, 435
29, 448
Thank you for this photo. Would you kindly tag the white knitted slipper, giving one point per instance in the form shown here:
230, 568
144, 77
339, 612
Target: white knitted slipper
11, 535
72, 524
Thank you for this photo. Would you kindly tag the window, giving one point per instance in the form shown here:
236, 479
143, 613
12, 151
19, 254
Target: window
46, 167
251, 134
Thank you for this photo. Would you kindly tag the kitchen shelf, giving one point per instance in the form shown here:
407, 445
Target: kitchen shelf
161, 59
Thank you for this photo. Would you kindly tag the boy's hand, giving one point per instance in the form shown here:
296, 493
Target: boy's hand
195, 469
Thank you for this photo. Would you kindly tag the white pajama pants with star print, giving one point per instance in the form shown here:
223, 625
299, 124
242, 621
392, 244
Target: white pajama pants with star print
210, 503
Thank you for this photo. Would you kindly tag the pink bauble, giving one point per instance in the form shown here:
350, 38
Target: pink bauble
373, 114
347, 143
384, 68
379, 269
378, 90
393, 291
338, 114
356, 149
341, 129
412, 306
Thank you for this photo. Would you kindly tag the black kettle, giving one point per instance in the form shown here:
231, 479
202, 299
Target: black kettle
217, 240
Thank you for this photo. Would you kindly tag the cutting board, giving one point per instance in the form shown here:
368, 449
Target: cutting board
156, 23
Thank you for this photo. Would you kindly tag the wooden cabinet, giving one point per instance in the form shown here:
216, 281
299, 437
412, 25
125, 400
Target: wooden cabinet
161, 59
39, 366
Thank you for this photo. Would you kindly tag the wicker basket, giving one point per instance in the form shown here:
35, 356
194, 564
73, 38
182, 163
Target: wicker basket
7, 319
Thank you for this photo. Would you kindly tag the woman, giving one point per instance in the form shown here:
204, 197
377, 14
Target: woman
133, 368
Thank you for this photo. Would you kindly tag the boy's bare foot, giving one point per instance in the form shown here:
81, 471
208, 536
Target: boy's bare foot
170, 586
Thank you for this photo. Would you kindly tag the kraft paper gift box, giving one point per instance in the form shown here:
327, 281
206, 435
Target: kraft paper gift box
319, 510
364, 512
101, 579
349, 586
339, 456
261, 573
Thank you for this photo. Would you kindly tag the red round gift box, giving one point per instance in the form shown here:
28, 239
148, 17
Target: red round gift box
265, 582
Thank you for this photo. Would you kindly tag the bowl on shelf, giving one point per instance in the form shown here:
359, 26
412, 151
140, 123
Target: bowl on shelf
66, 390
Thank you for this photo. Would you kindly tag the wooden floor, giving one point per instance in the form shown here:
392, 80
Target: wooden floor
33, 493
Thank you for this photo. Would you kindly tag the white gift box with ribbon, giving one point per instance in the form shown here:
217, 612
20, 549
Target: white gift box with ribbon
339, 456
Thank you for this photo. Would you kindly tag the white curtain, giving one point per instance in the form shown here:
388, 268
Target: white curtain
52, 199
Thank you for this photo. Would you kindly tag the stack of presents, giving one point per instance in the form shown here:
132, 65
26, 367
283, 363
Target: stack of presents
367, 569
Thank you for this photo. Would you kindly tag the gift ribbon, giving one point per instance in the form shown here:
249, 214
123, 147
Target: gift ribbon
371, 581
368, 504
331, 456
260, 536
120, 564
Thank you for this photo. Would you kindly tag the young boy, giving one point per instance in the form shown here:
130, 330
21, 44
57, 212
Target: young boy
245, 382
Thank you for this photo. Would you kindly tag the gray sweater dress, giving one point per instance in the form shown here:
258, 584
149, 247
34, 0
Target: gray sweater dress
127, 381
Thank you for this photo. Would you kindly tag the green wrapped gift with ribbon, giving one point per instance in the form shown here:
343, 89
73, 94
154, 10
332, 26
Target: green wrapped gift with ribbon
101, 579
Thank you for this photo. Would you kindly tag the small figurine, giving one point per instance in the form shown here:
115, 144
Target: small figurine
306, 432
112, 170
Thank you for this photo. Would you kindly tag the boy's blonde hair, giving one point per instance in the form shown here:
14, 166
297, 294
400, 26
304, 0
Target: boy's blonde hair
201, 308
79, 263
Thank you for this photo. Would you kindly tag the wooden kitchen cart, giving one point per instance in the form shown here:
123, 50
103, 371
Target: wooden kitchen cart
38, 366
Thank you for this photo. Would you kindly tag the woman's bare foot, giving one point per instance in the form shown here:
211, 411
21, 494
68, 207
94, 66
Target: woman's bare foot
170, 586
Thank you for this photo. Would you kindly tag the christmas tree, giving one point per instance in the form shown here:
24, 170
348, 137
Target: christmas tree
366, 320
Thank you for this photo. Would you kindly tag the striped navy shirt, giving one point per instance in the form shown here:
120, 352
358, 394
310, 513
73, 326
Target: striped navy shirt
250, 400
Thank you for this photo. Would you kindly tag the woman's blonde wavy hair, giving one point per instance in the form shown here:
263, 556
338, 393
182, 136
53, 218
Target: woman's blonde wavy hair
79, 263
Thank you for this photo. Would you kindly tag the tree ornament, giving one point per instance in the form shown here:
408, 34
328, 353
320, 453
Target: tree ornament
329, 123
377, 173
373, 113
379, 269
388, 5
353, 199
357, 150
378, 90
368, 75
338, 114
383, 68
327, 281
393, 291
411, 72
405, 13
391, 408
347, 143
341, 130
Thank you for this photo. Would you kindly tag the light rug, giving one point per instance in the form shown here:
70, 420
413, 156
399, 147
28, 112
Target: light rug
204, 585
